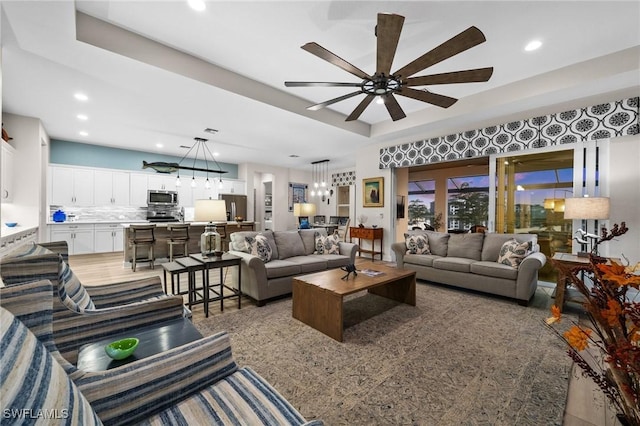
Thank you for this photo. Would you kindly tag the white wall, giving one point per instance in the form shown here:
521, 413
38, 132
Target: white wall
624, 193
30, 164
623, 188
283, 219
367, 166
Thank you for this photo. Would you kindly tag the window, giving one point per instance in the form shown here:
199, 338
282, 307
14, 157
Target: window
468, 201
421, 203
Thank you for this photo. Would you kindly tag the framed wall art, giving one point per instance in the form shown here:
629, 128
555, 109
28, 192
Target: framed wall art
373, 192
297, 194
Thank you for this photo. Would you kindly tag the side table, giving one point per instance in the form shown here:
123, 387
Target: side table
372, 234
192, 266
213, 262
153, 340
567, 260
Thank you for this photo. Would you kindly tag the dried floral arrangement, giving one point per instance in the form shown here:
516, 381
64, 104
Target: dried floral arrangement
614, 329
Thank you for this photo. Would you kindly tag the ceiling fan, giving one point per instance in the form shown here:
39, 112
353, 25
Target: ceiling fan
386, 84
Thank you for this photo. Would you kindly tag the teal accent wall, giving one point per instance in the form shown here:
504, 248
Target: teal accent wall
87, 155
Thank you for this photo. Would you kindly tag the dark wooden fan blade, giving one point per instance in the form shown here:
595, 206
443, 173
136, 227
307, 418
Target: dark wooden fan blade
388, 33
322, 53
429, 97
333, 101
468, 76
393, 107
360, 108
463, 41
319, 84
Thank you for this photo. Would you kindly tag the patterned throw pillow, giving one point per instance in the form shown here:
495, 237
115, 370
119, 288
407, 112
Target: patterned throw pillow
512, 252
327, 244
417, 244
72, 293
259, 246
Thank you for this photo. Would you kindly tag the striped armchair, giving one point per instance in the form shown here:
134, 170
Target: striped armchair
84, 314
197, 383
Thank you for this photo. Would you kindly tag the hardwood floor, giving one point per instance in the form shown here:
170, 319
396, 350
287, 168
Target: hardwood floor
585, 403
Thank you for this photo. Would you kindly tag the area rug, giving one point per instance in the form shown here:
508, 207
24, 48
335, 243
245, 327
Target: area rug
457, 358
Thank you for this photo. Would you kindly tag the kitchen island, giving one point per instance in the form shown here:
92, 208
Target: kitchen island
161, 250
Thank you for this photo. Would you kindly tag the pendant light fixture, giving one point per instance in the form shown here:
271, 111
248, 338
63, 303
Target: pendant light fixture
200, 145
320, 174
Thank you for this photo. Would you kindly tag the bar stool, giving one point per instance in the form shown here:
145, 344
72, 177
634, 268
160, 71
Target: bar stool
178, 235
142, 236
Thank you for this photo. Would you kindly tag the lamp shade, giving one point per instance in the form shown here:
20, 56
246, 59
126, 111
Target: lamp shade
210, 211
586, 208
304, 209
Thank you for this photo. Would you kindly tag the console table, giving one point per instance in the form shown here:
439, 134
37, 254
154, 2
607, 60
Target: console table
371, 234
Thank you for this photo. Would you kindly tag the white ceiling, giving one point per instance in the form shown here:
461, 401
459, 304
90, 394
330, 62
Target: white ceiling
177, 71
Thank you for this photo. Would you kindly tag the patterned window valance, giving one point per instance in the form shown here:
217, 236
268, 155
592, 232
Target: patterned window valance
601, 121
343, 179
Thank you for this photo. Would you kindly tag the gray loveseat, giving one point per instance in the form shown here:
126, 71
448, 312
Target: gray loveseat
292, 253
471, 261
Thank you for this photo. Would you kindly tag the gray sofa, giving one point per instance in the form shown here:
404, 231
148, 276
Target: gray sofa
471, 261
292, 253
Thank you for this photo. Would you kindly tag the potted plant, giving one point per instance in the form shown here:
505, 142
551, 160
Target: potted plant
612, 328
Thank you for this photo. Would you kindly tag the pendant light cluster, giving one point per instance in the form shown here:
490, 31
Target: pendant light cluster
200, 145
320, 175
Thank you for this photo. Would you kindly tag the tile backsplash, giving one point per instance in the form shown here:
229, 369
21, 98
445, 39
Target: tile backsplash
106, 213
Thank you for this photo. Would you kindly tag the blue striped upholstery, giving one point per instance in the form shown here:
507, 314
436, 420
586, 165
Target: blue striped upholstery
197, 383
31, 304
72, 293
243, 398
32, 380
112, 308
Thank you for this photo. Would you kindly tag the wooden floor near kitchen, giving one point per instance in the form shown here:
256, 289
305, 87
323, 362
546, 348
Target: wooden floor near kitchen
585, 404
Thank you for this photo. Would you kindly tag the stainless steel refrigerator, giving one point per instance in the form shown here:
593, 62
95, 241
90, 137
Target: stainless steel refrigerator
236, 205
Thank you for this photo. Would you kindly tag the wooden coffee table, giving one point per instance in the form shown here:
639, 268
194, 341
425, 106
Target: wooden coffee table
318, 298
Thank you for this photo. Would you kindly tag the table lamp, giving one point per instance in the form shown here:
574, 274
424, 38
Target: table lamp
304, 209
210, 211
585, 208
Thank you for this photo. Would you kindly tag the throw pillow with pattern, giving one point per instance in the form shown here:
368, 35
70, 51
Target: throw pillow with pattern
512, 252
327, 244
417, 244
72, 292
259, 246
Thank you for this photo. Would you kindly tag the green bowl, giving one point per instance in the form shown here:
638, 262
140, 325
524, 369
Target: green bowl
121, 349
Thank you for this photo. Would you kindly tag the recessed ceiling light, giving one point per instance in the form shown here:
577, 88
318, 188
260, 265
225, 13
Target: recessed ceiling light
83, 133
216, 154
159, 145
197, 5
82, 117
294, 156
210, 130
81, 97
533, 45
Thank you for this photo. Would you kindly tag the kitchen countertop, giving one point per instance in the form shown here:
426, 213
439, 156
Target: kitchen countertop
164, 224
97, 221
8, 232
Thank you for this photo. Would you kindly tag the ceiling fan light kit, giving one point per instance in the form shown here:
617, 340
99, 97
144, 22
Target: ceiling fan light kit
384, 84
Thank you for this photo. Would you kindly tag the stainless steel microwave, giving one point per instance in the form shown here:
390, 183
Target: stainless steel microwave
162, 198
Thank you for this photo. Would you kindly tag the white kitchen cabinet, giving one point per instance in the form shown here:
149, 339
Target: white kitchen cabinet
7, 173
138, 189
79, 238
71, 186
111, 188
166, 182
108, 238
230, 186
